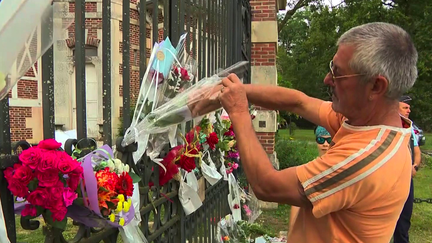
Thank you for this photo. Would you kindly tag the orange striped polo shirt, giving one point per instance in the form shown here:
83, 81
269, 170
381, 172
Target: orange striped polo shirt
358, 188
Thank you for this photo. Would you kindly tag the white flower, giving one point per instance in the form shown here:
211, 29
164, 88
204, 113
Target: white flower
111, 165
126, 168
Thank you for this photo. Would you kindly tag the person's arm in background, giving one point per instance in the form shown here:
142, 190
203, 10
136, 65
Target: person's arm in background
417, 154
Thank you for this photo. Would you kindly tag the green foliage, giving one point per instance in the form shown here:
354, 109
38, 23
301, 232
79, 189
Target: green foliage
120, 128
293, 153
308, 42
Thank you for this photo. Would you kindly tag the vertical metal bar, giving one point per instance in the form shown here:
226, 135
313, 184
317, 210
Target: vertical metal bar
230, 22
182, 17
48, 85
174, 21
208, 48
187, 15
204, 40
224, 30
80, 82
126, 64
166, 20
214, 34
143, 38
200, 32
155, 21
106, 70
7, 198
194, 25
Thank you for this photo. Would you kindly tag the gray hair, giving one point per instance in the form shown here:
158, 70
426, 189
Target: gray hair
383, 49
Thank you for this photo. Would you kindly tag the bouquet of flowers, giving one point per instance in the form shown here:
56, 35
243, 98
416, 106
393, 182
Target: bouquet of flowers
178, 109
47, 179
106, 191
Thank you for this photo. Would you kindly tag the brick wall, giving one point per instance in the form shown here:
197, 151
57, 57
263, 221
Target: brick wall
19, 130
264, 54
263, 10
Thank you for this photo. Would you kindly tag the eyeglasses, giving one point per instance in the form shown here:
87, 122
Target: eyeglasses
321, 140
343, 76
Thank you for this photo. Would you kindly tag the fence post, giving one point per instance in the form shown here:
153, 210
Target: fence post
80, 77
6, 196
106, 71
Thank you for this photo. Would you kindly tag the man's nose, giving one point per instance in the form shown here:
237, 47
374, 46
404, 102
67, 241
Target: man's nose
328, 80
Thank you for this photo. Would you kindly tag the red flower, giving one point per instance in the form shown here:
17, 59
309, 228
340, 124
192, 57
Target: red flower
124, 185
59, 213
17, 188
19, 172
184, 74
49, 178
29, 210
187, 163
38, 197
212, 140
66, 164
49, 144
49, 161
31, 157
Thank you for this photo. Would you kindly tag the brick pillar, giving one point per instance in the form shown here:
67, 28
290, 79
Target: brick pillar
264, 49
264, 42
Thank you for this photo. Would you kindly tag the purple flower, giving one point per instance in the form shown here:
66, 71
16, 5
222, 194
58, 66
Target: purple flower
232, 154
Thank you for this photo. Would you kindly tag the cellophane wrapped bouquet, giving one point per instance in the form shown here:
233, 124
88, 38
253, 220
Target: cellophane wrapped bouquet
105, 192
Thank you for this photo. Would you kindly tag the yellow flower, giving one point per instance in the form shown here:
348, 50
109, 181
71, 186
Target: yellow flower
121, 198
119, 207
112, 217
127, 205
121, 221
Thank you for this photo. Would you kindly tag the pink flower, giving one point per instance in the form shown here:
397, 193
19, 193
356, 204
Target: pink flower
49, 144
31, 157
69, 196
233, 154
66, 164
235, 166
29, 210
184, 74
38, 197
17, 188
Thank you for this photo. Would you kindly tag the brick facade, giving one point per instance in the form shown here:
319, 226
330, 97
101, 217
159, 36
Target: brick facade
264, 54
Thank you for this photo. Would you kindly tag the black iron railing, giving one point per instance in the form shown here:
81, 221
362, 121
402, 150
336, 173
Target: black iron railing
220, 35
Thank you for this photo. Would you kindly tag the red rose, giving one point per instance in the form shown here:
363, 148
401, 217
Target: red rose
176, 72
66, 164
59, 214
31, 157
38, 197
17, 188
49, 144
187, 163
29, 210
19, 172
184, 74
48, 162
212, 140
124, 184
48, 178
73, 181
55, 197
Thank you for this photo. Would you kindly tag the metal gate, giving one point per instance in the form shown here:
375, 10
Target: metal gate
221, 36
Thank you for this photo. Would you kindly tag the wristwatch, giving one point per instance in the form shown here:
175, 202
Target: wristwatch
416, 167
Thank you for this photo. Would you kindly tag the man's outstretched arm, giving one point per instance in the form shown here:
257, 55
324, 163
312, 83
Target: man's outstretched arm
278, 98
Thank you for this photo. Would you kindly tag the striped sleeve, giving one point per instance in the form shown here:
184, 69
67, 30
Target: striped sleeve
333, 181
329, 119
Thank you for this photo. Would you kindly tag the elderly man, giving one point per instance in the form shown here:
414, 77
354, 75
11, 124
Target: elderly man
401, 233
355, 192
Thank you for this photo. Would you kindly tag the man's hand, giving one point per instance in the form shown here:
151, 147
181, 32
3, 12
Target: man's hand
414, 171
233, 96
205, 100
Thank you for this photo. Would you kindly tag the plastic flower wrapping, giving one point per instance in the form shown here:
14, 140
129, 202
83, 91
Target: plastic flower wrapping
170, 72
46, 180
105, 194
24, 47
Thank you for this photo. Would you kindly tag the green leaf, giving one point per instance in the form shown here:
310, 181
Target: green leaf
79, 201
56, 224
33, 185
110, 204
135, 177
103, 189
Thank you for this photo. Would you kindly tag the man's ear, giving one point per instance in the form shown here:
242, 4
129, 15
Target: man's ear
378, 87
